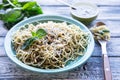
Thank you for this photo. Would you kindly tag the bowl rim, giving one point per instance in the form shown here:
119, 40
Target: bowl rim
85, 3
9, 51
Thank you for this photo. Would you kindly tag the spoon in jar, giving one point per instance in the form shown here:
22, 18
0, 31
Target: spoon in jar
73, 7
106, 65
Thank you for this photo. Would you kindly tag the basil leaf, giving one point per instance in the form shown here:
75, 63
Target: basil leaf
41, 33
35, 11
32, 9
28, 42
106, 30
12, 16
33, 34
4, 1
12, 1
1, 6
29, 5
1, 16
23, 3
19, 11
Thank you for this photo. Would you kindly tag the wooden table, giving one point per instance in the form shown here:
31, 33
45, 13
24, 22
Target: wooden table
92, 70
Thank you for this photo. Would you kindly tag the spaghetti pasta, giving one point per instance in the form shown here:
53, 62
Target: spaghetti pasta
62, 43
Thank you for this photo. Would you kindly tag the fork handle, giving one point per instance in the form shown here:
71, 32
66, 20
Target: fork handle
106, 65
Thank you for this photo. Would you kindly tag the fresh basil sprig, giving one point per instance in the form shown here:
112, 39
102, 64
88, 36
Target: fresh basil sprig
39, 34
15, 11
12, 16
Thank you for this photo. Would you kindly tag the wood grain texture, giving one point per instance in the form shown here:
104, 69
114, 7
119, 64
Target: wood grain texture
92, 70
105, 13
11, 70
98, 2
3, 30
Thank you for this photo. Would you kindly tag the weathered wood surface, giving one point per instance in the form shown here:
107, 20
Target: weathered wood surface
109, 13
106, 13
91, 71
98, 2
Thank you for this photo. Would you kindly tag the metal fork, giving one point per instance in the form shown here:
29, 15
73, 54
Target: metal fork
106, 65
